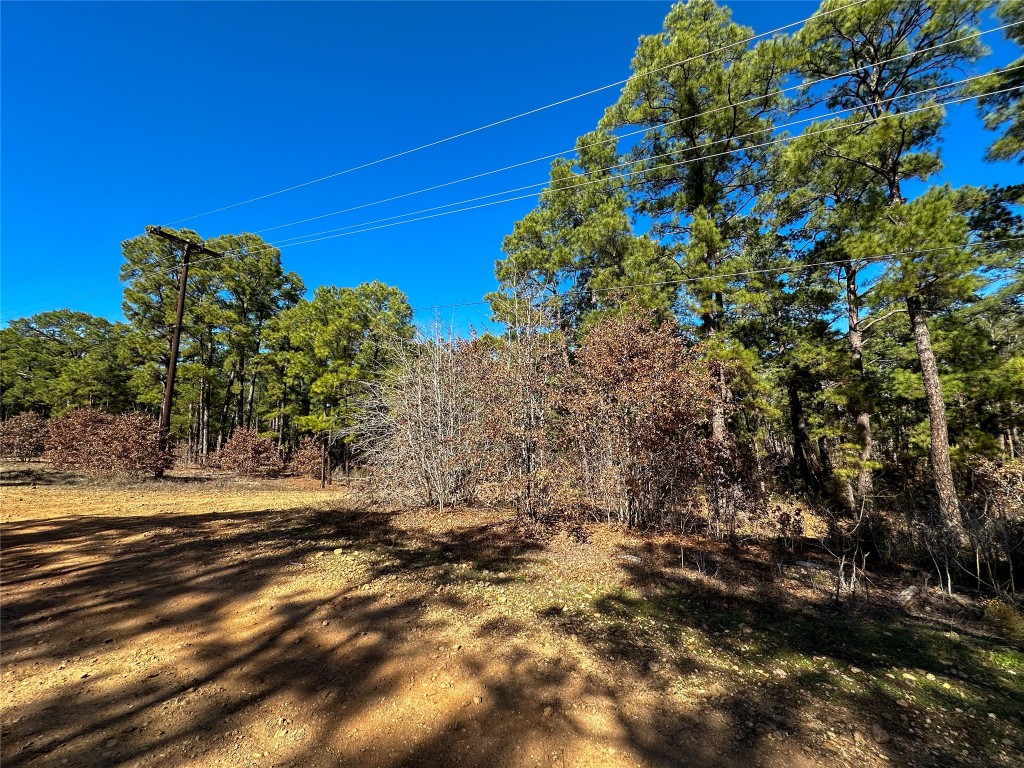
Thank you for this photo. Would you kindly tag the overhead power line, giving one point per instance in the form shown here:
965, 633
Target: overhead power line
272, 246
619, 136
779, 140
799, 86
462, 134
281, 242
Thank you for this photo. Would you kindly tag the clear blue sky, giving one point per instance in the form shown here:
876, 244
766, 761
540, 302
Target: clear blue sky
118, 115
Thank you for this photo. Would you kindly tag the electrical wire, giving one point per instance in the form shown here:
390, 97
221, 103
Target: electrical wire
279, 243
618, 137
306, 238
496, 123
871, 121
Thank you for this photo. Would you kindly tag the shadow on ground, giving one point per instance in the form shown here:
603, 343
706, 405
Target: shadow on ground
245, 639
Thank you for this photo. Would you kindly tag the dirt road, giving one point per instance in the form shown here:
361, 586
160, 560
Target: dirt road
222, 623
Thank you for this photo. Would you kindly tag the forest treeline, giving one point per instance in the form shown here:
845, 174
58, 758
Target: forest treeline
746, 282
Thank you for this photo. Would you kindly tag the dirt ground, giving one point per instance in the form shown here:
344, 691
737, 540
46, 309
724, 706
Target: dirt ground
217, 622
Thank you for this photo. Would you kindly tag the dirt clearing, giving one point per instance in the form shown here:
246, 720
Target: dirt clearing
225, 623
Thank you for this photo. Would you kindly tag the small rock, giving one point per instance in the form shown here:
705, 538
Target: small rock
907, 596
549, 711
654, 666
879, 734
779, 672
858, 737
478, 699
856, 670
930, 676
339, 551
745, 629
909, 677
111, 743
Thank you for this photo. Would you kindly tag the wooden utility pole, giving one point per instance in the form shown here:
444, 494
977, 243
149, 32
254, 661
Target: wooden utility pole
187, 248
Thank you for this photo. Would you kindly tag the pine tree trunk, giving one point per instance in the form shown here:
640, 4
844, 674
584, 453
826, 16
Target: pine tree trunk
803, 449
252, 401
225, 426
949, 507
204, 438
865, 481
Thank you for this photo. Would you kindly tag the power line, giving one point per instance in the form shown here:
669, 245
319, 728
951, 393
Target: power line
779, 140
620, 136
496, 123
616, 138
684, 162
280, 243
271, 246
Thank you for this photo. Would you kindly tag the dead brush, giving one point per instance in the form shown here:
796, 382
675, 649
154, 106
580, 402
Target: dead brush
1005, 618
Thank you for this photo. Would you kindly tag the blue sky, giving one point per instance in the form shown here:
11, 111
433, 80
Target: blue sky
118, 115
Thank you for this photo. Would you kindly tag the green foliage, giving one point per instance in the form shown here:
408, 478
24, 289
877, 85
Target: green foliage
57, 361
1005, 110
325, 350
576, 253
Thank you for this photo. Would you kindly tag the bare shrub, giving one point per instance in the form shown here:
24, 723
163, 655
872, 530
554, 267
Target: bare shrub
23, 437
249, 453
994, 517
515, 380
308, 458
419, 426
638, 404
95, 441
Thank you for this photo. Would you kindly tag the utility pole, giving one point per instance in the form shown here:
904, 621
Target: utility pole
187, 248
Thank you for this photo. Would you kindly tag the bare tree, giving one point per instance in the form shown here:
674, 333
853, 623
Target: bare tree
419, 427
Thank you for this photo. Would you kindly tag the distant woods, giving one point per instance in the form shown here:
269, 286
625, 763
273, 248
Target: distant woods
746, 284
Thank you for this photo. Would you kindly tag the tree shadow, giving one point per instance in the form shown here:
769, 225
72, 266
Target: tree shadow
24, 474
312, 637
798, 670
170, 638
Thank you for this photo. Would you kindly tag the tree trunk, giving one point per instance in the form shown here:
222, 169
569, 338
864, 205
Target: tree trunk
224, 431
949, 507
327, 455
865, 481
803, 449
252, 401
